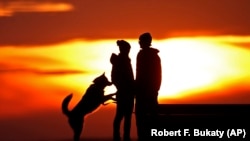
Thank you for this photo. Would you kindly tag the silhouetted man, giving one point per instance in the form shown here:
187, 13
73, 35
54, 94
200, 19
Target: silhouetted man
123, 78
148, 81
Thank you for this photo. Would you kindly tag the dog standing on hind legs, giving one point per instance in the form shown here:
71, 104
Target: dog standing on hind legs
91, 100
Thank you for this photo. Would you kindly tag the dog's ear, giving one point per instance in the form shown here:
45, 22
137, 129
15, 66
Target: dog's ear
103, 74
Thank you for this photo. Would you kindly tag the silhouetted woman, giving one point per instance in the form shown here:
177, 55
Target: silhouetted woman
123, 78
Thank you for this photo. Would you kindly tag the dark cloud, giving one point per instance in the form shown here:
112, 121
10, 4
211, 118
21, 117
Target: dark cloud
93, 19
10, 68
42, 72
36, 60
245, 45
9, 8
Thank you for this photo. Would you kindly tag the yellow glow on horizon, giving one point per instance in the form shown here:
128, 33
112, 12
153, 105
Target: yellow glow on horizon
193, 65
189, 65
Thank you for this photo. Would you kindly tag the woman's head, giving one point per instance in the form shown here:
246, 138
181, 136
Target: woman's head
124, 46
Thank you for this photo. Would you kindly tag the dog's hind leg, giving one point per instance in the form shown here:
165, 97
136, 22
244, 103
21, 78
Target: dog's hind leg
77, 126
77, 134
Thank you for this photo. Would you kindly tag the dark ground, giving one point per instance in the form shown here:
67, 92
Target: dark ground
223, 117
212, 117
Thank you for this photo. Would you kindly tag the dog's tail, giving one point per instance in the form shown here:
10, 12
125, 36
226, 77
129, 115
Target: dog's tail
65, 104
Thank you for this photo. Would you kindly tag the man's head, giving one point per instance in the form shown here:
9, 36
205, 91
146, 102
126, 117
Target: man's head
145, 40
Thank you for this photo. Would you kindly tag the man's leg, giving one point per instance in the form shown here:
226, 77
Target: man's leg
140, 115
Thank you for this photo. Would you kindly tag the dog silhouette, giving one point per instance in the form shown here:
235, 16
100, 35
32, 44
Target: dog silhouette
91, 100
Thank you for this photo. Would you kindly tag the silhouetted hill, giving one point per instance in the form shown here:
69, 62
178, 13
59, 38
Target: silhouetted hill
202, 117
193, 115
93, 139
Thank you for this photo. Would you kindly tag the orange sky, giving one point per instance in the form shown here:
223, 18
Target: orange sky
50, 48
91, 19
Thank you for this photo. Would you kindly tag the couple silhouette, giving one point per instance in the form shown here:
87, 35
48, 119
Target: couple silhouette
143, 89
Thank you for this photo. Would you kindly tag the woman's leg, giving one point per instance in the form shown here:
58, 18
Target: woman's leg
127, 120
117, 122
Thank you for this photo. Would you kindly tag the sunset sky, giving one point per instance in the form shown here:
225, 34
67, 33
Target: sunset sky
50, 48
